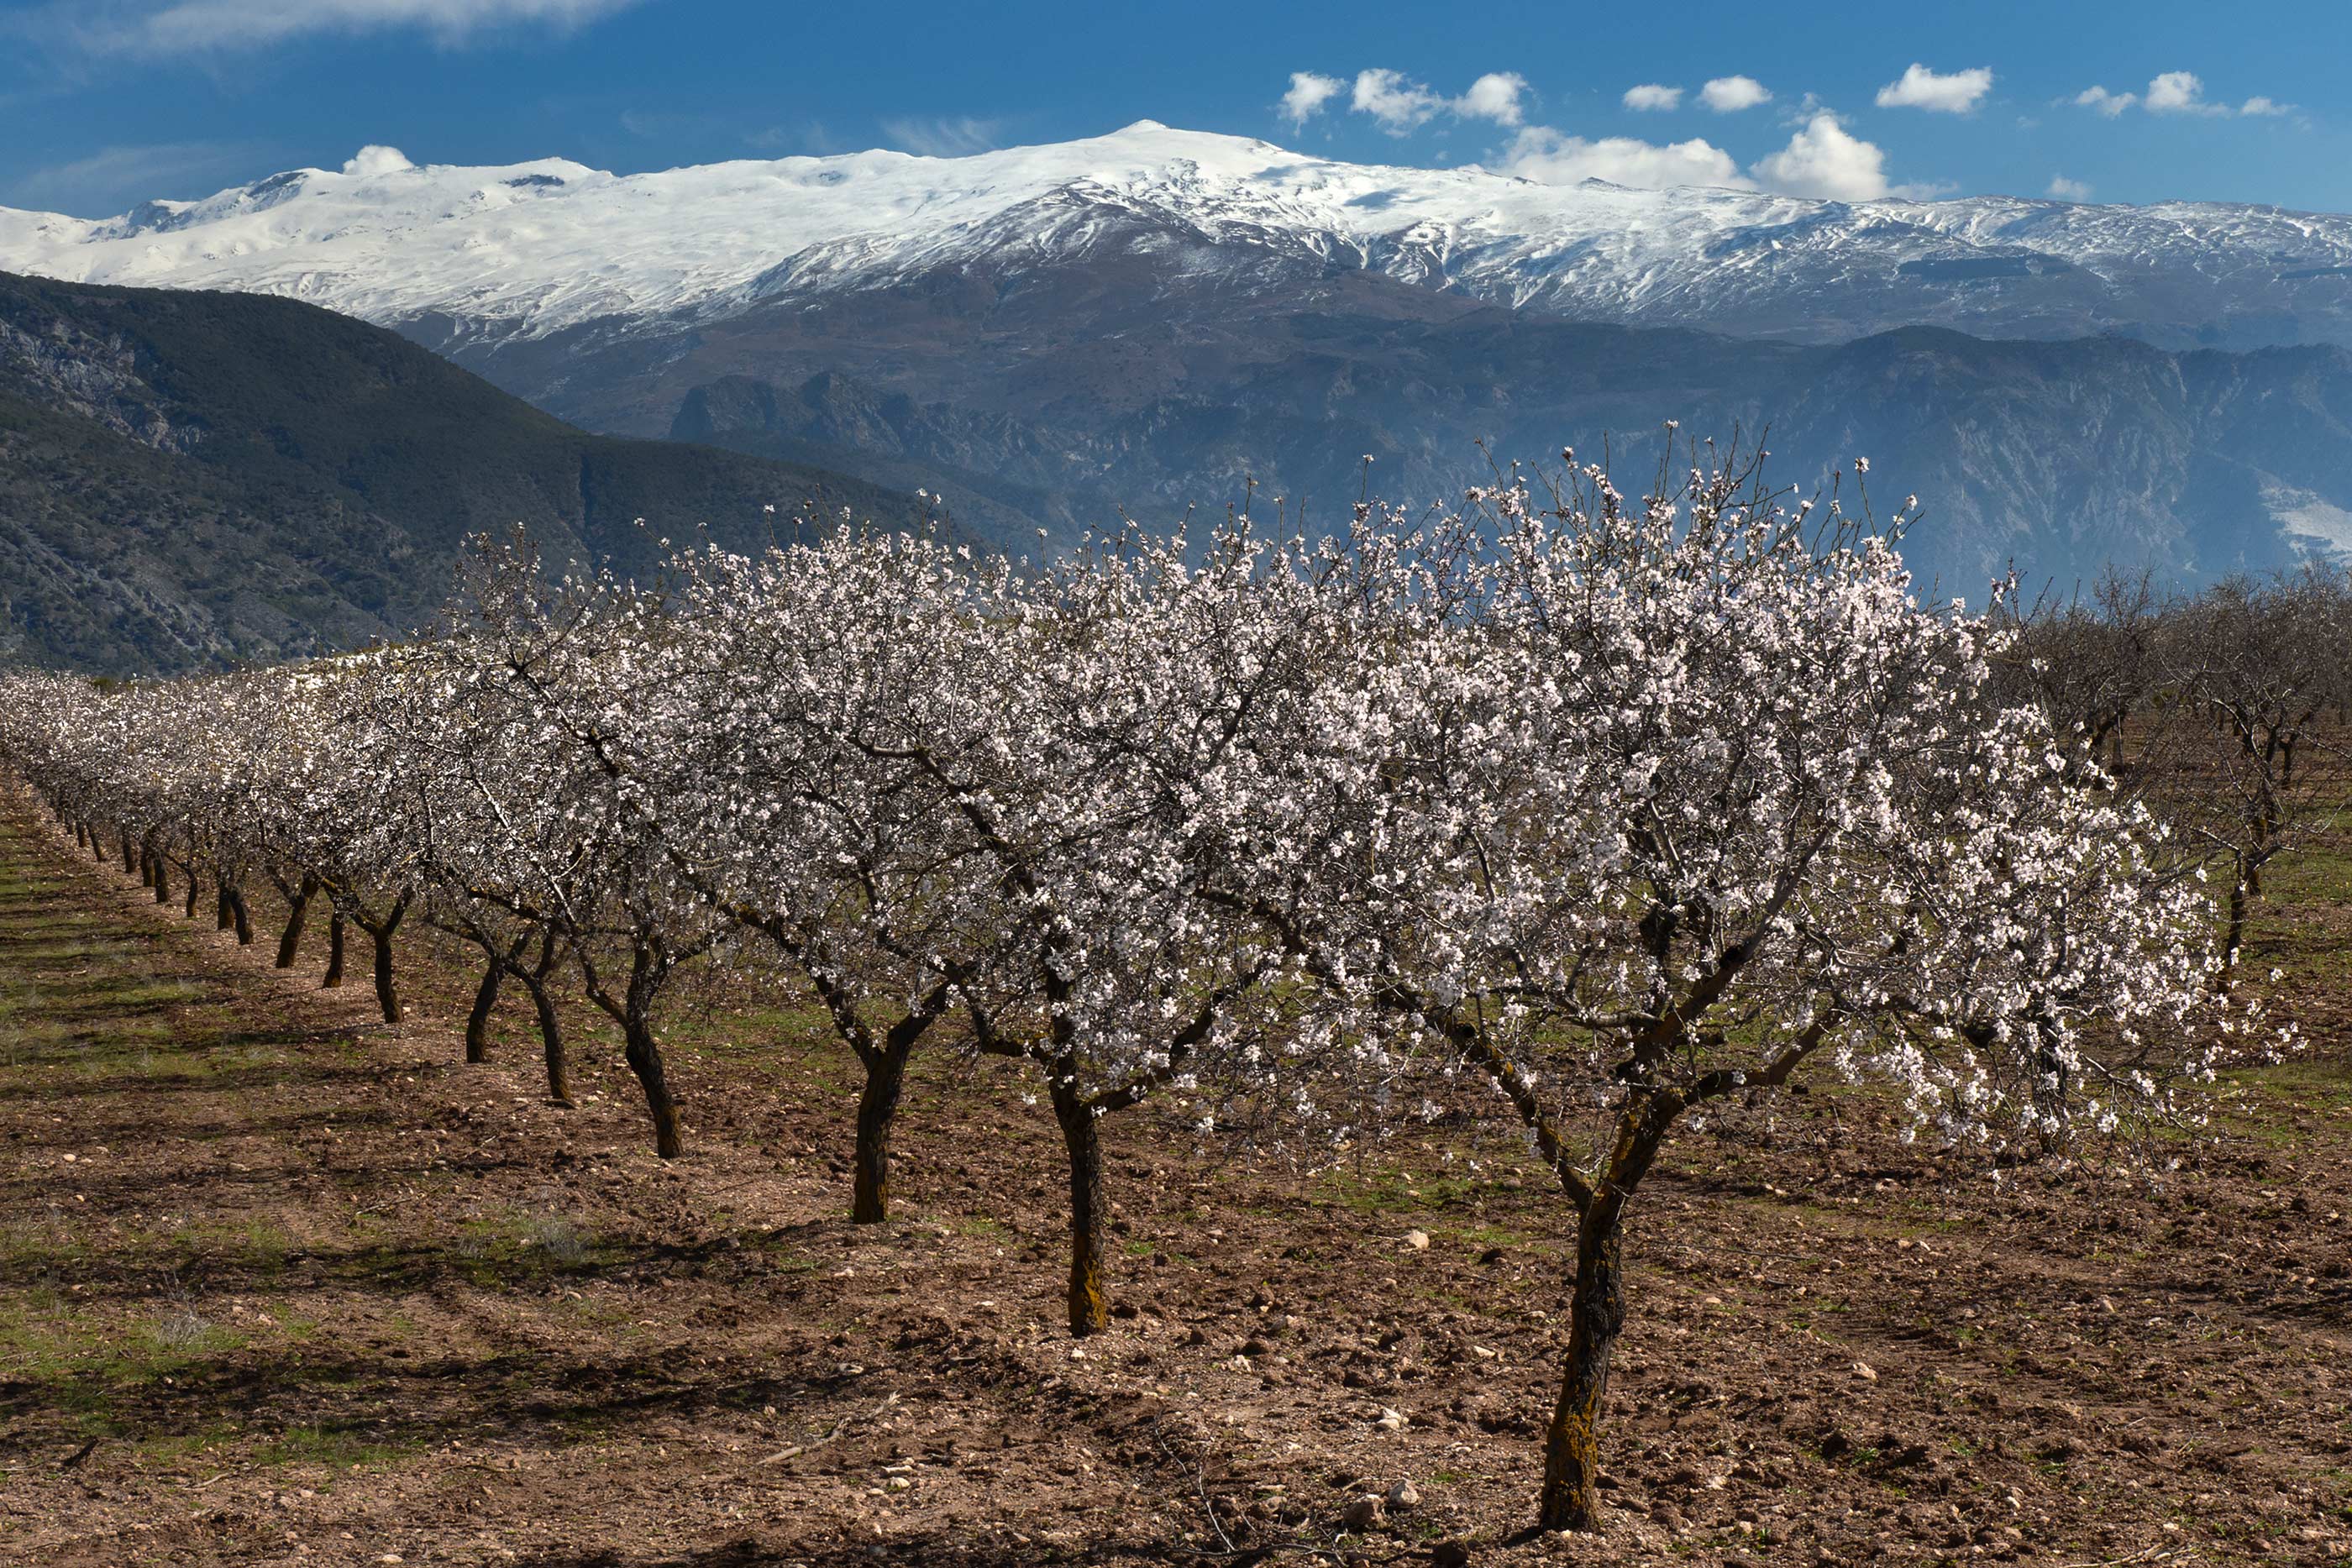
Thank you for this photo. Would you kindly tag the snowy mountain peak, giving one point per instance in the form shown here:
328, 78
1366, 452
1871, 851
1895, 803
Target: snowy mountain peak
528, 250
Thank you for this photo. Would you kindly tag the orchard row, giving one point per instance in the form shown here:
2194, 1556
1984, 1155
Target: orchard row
1586, 811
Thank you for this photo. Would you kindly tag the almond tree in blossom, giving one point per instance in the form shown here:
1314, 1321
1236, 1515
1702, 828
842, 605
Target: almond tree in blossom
555, 742
1141, 698
818, 803
1688, 807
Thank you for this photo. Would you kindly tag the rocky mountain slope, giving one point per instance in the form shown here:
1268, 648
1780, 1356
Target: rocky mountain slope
1146, 321
1031, 406
190, 478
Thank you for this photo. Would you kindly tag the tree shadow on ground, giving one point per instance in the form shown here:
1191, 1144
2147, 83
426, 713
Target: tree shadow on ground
926, 1550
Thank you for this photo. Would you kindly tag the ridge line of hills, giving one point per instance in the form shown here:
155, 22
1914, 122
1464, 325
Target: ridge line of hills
193, 479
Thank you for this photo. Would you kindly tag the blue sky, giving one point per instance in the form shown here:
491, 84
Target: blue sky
106, 102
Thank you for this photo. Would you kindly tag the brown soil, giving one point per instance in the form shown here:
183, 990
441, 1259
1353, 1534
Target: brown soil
282, 1284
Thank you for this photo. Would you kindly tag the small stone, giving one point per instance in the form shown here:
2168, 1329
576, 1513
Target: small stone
1417, 1239
1453, 1553
1362, 1513
1403, 1497
1863, 1370
1391, 1421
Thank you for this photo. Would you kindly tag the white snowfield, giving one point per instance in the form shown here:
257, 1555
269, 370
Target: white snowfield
535, 247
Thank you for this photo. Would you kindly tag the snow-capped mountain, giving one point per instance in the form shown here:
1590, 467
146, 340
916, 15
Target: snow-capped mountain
1158, 318
530, 250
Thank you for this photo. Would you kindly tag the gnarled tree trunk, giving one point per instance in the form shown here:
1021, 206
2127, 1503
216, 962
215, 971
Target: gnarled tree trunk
550, 1027
380, 932
878, 1102
551, 1038
298, 911
486, 998
1571, 1498
642, 1053
336, 937
387, 990
1082, 1140
650, 966
1596, 1314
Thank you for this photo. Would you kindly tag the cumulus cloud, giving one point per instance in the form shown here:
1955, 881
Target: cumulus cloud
1400, 104
2180, 92
1541, 153
1494, 96
376, 159
1651, 96
1308, 95
2067, 190
1729, 95
2175, 92
943, 136
1825, 160
1822, 160
141, 27
1920, 88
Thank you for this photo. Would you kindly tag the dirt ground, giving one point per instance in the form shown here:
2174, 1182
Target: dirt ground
280, 1283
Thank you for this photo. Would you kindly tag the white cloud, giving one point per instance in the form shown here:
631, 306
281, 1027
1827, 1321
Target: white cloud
376, 159
1308, 95
1541, 153
1398, 104
1650, 95
143, 28
2180, 92
1920, 88
2067, 190
2175, 92
1402, 105
944, 136
1824, 159
1729, 95
1494, 96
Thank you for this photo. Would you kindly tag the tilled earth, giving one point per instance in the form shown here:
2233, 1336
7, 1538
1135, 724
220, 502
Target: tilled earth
280, 1283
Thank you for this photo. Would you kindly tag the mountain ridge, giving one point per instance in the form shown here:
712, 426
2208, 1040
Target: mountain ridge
1154, 320
192, 479
524, 250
